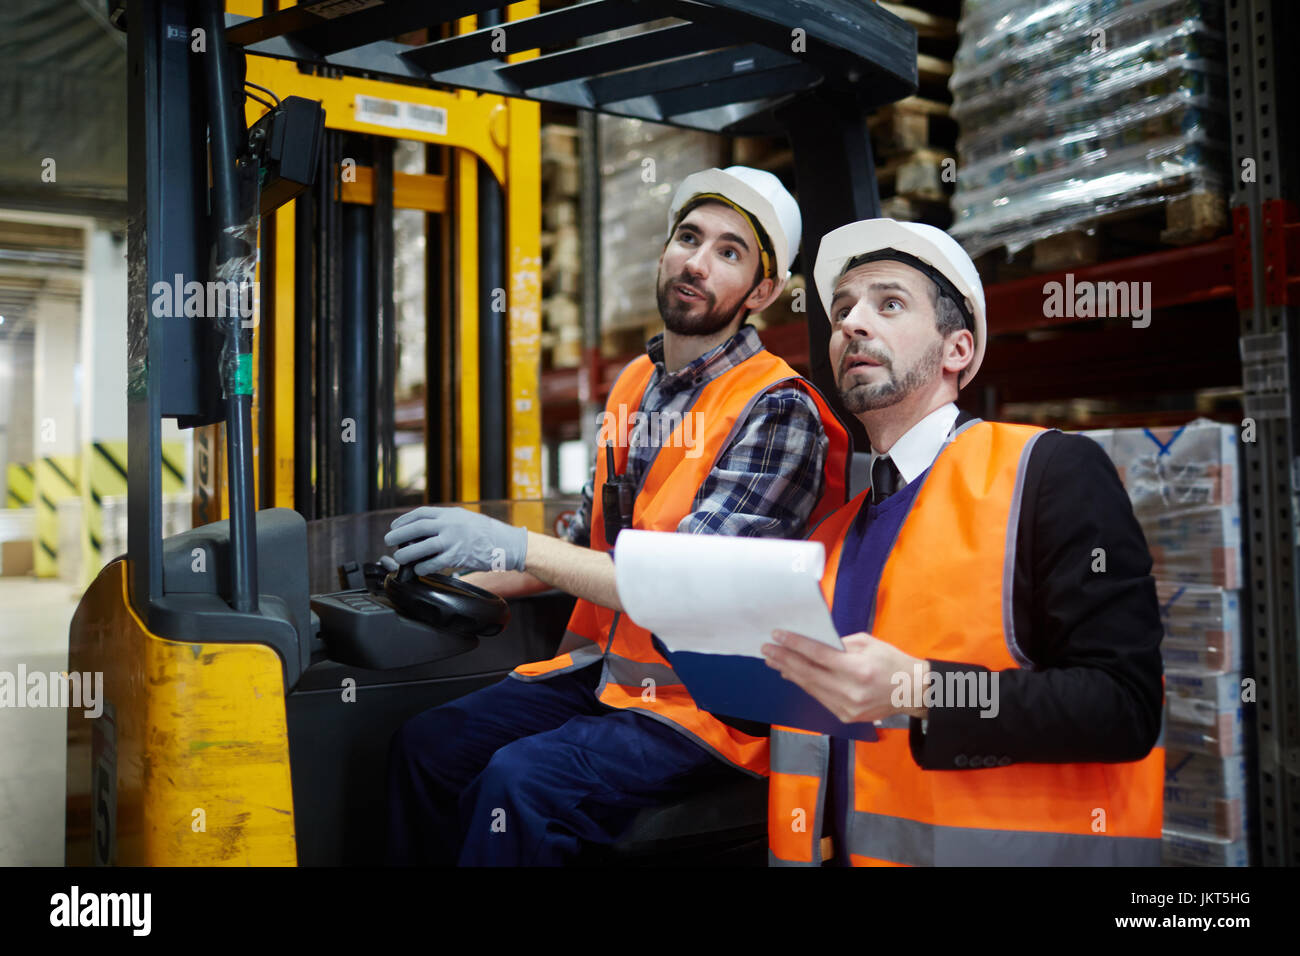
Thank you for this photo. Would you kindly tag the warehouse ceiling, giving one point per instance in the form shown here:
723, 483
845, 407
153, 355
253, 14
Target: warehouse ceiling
63, 97
36, 260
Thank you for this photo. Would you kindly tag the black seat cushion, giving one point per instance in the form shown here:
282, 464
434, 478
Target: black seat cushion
724, 825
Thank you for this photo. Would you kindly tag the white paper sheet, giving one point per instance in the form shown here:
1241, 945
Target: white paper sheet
713, 594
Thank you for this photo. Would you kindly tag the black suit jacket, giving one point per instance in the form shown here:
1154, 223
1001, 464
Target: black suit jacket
1094, 692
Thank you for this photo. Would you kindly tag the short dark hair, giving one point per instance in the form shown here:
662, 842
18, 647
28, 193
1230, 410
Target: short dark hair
948, 317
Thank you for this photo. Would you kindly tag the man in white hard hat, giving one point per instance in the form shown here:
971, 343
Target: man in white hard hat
706, 433
993, 590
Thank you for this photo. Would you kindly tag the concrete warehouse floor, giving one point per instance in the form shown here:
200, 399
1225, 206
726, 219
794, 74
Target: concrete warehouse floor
34, 620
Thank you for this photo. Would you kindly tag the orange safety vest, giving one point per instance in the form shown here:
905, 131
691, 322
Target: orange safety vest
945, 594
634, 675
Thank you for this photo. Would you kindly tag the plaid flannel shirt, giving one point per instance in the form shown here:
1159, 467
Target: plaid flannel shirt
768, 478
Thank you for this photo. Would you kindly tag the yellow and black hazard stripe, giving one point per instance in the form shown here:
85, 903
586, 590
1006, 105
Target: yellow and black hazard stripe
57, 477
20, 485
105, 476
173, 467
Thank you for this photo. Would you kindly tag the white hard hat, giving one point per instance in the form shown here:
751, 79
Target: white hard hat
937, 251
757, 193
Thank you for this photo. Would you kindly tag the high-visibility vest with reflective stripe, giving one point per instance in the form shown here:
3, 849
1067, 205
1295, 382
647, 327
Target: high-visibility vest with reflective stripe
945, 594
635, 676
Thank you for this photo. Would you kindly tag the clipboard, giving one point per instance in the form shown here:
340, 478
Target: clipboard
744, 687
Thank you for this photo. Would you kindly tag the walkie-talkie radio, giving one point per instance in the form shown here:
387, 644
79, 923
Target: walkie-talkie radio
617, 499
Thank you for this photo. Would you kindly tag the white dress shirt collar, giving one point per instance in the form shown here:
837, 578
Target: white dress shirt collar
920, 445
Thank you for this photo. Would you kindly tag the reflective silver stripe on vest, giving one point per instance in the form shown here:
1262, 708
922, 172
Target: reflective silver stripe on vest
804, 754
896, 722
774, 860
584, 652
690, 735
1009, 561
899, 840
630, 673
575, 643
970, 424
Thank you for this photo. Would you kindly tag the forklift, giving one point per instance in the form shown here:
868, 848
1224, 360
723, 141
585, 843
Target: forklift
256, 666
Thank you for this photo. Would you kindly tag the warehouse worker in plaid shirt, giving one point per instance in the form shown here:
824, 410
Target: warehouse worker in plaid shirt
706, 433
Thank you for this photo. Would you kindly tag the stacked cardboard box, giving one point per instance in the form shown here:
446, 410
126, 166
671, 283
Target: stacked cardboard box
1202, 628
17, 529
561, 246
641, 166
1184, 488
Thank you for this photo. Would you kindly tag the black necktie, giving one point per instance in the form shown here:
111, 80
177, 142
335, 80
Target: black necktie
885, 479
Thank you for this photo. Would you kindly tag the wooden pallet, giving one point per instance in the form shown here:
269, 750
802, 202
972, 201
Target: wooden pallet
559, 141
561, 178
559, 213
1180, 220
911, 124
630, 339
561, 261
561, 249
928, 25
561, 311
933, 73
936, 40
1195, 217
562, 348
934, 212
916, 175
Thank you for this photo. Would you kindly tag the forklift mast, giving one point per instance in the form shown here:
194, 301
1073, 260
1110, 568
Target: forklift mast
228, 735
811, 71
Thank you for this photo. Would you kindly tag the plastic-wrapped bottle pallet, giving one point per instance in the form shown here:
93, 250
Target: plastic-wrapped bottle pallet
1070, 109
1183, 483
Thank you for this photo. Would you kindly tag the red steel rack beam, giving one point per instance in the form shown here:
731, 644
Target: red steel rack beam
1205, 272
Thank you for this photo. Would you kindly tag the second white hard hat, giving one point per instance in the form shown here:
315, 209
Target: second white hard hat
933, 247
758, 193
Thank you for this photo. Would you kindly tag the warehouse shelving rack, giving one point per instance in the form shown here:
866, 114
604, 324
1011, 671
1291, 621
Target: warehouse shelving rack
1261, 81
1254, 274
728, 66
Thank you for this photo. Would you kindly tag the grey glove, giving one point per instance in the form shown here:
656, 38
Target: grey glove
443, 538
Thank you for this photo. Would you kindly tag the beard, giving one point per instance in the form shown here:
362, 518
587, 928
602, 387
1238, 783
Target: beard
676, 314
868, 396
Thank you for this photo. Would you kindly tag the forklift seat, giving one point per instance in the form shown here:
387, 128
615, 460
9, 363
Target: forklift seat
242, 680
722, 826
719, 825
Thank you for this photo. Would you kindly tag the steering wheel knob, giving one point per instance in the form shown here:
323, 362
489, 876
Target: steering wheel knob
447, 603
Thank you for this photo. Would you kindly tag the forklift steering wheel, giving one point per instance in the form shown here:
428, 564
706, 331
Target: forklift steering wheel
446, 603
